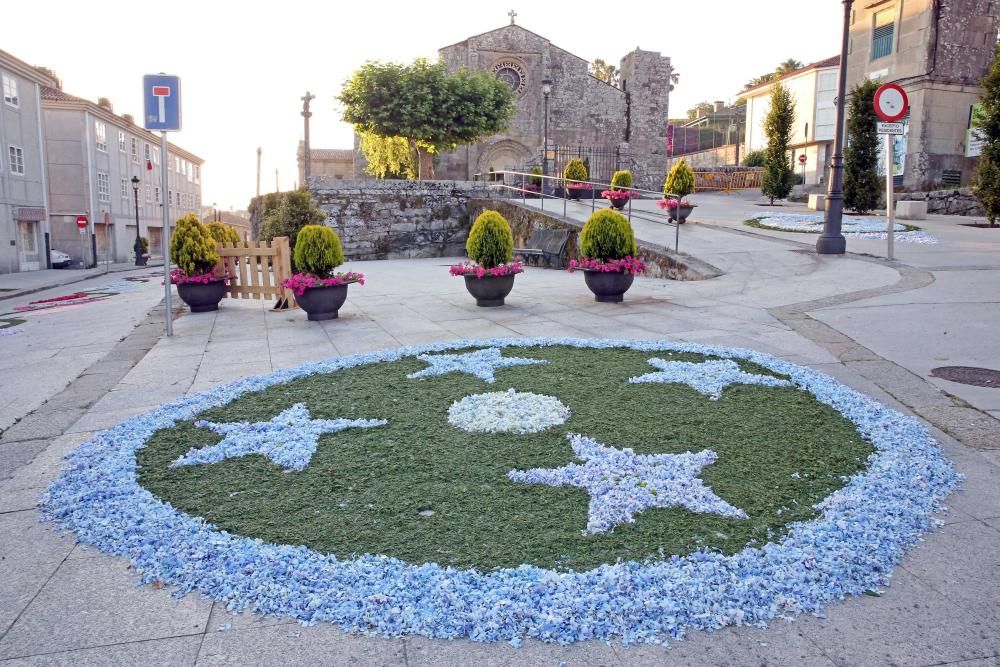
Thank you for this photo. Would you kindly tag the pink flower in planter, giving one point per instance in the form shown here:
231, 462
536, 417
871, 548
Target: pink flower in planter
631, 265
300, 282
473, 269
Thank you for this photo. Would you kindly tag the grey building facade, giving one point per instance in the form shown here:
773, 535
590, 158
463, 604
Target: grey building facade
582, 109
23, 189
93, 155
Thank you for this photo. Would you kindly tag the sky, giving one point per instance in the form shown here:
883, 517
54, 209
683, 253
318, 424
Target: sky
245, 66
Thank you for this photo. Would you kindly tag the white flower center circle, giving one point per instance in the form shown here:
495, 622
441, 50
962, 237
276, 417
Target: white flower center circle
507, 412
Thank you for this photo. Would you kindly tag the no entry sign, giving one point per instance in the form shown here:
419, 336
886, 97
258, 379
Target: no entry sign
81, 222
891, 103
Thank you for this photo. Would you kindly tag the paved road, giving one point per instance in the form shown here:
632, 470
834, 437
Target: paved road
867, 322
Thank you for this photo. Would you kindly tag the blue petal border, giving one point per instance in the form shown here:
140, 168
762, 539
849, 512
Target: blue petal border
862, 532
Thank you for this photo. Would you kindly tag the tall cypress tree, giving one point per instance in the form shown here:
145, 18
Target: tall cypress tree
778, 173
987, 122
861, 181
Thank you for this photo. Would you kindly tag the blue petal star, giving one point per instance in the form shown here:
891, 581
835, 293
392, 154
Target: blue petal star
289, 440
480, 363
708, 378
622, 483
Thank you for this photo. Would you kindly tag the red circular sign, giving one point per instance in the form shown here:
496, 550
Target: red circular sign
802, 159
81, 221
891, 103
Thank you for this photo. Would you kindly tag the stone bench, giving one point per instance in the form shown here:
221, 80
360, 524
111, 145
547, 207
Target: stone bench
817, 202
547, 244
911, 210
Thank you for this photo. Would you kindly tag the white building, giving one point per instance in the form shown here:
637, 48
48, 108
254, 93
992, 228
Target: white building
93, 154
23, 191
814, 88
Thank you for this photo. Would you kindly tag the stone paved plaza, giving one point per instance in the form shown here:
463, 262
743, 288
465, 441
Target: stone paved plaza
877, 326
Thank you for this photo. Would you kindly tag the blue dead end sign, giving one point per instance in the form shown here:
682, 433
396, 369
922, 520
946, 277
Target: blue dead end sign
162, 102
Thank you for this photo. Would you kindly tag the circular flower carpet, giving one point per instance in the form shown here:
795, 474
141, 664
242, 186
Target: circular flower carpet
858, 227
559, 489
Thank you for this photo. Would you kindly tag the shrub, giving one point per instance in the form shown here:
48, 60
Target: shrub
294, 212
575, 170
607, 236
862, 186
145, 243
754, 158
192, 247
223, 233
318, 251
622, 180
680, 180
491, 242
778, 173
536, 178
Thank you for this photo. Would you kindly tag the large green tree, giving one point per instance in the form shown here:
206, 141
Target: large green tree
778, 173
606, 72
861, 182
431, 108
987, 124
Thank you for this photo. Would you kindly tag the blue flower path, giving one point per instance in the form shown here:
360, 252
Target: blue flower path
862, 531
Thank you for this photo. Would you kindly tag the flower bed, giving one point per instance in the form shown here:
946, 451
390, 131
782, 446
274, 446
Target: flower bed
626, 265
473, 269
435, 538
851, 227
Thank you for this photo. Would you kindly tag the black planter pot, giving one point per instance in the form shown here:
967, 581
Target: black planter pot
574, 193
684, 211
618, 204
489, 291
202, 297
322, 303
608, 287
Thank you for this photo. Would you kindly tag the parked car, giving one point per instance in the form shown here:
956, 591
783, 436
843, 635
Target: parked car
60, 260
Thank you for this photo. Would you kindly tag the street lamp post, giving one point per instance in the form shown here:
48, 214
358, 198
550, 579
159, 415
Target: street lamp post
832, 241
546, 90
140, 250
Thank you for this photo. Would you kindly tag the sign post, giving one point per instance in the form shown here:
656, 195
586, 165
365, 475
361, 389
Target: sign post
162, 111
891, 105
802, 161
81, 224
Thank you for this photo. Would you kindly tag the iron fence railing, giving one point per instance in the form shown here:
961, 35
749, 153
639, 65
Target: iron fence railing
553, 189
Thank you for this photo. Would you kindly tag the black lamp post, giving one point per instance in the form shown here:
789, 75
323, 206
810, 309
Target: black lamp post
140, 250
546, 89
831, 241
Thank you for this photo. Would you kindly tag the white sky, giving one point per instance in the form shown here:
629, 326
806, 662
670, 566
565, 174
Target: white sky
243, 68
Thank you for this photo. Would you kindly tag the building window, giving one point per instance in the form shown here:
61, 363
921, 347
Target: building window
170, 197
156, 193
121, 142
885, 23
103, 186
197, 174
149, 193
10, 91
178, 199
145, 151
101, 136
124, 188
156, 155
16, 158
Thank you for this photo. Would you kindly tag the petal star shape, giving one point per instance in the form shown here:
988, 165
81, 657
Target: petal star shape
480, 363
289, 439
622, 483
708, 378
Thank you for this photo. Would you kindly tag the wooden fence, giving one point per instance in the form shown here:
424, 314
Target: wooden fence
256, 269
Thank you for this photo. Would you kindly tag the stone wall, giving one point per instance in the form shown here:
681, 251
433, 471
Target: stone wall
399, 219
660, 261
946, 202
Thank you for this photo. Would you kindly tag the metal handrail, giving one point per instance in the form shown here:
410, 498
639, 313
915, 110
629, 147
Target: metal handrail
526, 178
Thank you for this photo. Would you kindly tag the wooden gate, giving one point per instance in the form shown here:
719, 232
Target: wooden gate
256, 269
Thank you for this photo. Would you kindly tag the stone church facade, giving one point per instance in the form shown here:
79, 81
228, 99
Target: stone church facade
583, 110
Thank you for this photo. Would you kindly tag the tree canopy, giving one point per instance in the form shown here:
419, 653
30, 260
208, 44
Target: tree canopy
778, 174
606, 72
789, 65
432, 109
388, 157
861, 182
695, 111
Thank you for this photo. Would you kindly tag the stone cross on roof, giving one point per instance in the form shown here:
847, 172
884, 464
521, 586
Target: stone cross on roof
513, 15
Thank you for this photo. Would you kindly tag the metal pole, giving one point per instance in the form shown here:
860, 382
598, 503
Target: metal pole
890, 212
165, 202
545, 141
831, 241
306, 152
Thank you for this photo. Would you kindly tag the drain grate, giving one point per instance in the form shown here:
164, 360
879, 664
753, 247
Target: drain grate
979, 377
